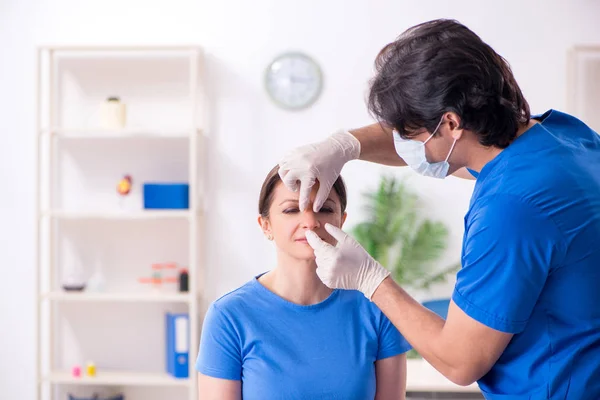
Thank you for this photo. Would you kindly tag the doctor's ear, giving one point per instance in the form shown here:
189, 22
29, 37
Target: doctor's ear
453, 121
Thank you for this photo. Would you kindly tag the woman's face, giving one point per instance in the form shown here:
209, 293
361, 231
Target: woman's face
287, 224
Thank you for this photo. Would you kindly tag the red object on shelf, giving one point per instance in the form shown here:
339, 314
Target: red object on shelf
124, 186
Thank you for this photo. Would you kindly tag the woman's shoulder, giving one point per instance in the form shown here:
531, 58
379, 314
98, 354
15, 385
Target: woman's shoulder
236, 298
358, 301
355, 296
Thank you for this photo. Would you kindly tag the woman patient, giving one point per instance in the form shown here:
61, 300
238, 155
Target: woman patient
285, 335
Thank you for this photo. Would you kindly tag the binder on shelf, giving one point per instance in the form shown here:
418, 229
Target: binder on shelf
178, 344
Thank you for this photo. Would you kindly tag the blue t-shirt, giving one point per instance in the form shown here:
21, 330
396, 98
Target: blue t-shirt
281, 350
531, 262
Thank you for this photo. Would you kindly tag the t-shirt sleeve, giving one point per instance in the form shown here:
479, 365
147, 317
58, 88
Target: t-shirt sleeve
508, 251
220, 349
391, 342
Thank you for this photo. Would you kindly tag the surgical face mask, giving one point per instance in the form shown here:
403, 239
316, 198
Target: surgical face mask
413, 154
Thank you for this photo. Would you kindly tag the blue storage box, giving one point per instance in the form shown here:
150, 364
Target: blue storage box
166, 195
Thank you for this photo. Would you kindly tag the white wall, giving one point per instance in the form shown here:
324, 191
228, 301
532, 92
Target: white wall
247, 133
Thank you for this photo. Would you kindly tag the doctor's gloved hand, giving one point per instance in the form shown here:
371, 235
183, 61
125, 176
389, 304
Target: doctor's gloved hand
322, 161
346, 265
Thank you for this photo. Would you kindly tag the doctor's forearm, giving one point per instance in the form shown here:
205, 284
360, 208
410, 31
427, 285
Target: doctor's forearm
377, 145
421, 328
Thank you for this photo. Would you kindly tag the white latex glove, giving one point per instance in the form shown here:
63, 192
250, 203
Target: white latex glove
346, 265
323, 161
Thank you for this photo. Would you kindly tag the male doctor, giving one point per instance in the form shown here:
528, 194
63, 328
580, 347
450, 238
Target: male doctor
524, 320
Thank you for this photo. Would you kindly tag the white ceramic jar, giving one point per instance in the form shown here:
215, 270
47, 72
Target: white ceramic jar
112, 114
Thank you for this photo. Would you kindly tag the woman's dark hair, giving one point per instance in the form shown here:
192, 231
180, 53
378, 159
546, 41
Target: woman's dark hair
442, 66
268, 187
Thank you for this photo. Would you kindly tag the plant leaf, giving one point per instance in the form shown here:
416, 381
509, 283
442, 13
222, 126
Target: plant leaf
395, 236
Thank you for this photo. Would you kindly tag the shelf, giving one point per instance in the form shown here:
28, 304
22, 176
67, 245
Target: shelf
119, 215
117, 297
422, 377
126, 133
116, 378
121, 48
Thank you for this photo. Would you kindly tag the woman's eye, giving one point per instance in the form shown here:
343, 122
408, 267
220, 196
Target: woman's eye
325, 210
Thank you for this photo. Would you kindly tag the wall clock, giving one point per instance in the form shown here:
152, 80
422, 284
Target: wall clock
294, 81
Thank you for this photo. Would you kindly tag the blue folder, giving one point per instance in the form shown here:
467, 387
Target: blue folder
178, 344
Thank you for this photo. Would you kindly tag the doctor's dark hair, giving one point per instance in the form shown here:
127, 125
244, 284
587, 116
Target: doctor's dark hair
441, 66
272, 180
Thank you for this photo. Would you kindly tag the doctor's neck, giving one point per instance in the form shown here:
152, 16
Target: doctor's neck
480, 155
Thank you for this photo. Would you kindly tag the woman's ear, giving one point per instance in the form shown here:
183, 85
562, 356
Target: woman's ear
265, 226
344, 215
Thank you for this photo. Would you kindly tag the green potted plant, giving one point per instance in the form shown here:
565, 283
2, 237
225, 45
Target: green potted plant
402, 240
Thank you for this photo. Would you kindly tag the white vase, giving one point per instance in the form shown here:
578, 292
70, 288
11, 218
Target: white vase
112, 114
97, 282
73, 280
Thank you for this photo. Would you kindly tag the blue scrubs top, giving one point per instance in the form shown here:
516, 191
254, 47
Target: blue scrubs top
531, 262
282, 350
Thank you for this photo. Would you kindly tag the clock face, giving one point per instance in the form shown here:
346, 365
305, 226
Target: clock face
293, 81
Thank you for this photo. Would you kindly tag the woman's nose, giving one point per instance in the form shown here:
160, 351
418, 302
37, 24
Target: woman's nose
310, 220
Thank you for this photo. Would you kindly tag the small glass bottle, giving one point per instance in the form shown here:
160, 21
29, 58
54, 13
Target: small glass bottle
184, 280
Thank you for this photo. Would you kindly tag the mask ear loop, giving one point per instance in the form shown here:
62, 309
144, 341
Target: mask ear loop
451, 148
435, 130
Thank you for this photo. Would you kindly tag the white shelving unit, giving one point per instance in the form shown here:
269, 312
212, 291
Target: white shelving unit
79, 212
87, 133
117, 215
117, 297
118, 378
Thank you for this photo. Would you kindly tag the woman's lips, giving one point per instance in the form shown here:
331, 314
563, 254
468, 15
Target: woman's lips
302, 239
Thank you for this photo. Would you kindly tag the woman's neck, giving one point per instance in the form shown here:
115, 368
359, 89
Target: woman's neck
296, 281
